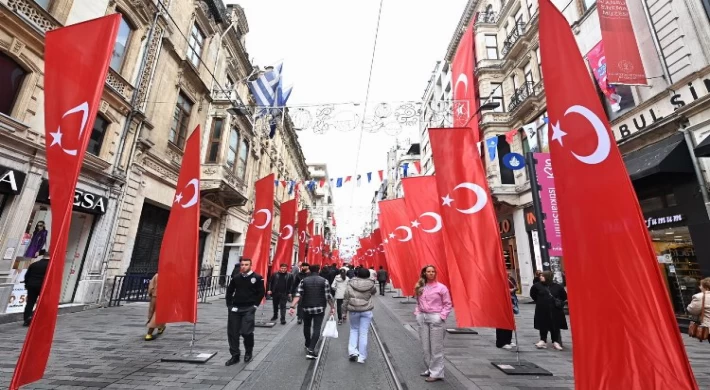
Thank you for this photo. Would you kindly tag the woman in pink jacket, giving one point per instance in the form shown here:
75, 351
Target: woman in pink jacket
433, 306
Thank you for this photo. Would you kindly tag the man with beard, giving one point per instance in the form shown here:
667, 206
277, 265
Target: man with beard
305, 271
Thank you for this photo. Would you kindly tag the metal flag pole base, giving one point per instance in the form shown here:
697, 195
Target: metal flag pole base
407, 301
520, 367
190, 356
461, 331
262, 323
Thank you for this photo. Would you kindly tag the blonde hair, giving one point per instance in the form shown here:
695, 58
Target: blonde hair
419, 287
705, 283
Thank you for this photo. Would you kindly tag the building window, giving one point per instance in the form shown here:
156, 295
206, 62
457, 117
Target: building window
587, 4
492, 47
44, 4
97, 135
233, 144
243, 154
539, 61
11, 77
527, 69
497, 96
196, 42
119, 49
215, 137
181, 118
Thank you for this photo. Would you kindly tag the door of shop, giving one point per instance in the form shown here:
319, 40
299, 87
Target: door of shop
149, 237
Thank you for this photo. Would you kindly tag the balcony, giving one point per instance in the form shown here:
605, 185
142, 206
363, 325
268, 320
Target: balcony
510, 45
492, 118
486, 65
490, 17
221, 186
521, 96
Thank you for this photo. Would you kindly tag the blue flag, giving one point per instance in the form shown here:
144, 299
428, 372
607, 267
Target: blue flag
405, 168
492, 146
339, 182
369, 177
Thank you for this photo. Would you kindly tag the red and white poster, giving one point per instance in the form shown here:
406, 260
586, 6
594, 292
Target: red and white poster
548, 201
284, 244
258, 239
597, 61
465, 93
605, 238
177, 267
76, 62
624, 65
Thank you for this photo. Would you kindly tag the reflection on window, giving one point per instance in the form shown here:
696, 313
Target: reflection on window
492, 47
215, 140
196, 41
243, 154
119, 49
497, 96
507, 176
97, 135
44, 4
11, 76
233, 144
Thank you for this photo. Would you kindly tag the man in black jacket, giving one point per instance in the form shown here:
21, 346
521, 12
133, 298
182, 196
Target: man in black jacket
244, 294
305, 270
280, 288
314, 294
382, 279
34, 278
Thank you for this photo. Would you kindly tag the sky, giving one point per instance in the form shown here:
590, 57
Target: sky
326, 47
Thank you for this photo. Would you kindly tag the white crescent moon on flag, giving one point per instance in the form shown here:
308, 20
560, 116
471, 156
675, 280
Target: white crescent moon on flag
302, 236
462, 79
603, 141
437, 218
196, 186
481, 197
268, 217
381, 247
290, 232
369, 253
406, 229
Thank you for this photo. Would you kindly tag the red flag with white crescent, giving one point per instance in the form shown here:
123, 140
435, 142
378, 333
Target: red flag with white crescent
605, 235
302, 235
398, 243
377, 244
471, 226
422, 201
258, 239
316, 255
465, 84
284, 244
76, 62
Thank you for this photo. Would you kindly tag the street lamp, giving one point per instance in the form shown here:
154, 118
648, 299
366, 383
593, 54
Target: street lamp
489, 105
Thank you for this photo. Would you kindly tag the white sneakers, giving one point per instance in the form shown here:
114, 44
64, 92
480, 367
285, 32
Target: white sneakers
557, 346
543, 345
509, 346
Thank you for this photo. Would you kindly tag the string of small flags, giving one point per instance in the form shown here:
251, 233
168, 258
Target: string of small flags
407, 169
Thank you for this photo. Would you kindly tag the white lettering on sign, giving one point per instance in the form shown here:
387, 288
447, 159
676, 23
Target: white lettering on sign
9, 177
87, 200
651, 222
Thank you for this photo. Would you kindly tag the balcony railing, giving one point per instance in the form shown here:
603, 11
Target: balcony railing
487, 18
513, 38
521, 94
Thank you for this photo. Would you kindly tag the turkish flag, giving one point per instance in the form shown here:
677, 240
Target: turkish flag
302, 235
76, 62
177, 266
465, 84
398, 244
367, 252
605, 235
376, 238
422, 201
471, 226
284, 245
310, 228
258, 240
316, 255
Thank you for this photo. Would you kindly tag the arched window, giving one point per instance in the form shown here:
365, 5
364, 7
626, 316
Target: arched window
97, 135
243, 155
233, 144
121, 47
11, 77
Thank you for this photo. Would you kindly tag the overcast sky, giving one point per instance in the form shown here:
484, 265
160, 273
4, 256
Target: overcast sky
326, 47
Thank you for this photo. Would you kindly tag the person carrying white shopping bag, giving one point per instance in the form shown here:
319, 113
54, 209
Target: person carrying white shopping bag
358, 303
331, 328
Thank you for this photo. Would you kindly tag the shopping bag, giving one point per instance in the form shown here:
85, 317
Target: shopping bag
331, 328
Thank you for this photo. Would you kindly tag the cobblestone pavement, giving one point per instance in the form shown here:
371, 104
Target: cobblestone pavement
104, 348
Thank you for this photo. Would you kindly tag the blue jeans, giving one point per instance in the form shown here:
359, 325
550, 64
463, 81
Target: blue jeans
359, 328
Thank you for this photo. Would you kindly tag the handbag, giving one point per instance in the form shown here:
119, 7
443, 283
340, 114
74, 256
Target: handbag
331, 328
696, 330
557, 303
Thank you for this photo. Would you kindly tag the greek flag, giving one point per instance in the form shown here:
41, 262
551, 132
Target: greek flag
264, 89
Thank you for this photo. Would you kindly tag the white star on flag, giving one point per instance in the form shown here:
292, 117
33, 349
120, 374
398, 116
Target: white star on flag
415, 224
386, 241
447, 200
557, 133
178, 198
57, 137
391, 235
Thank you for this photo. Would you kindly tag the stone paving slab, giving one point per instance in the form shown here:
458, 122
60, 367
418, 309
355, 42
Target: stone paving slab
471, 355
104, 348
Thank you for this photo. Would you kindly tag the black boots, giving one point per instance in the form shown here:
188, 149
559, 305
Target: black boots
234, 360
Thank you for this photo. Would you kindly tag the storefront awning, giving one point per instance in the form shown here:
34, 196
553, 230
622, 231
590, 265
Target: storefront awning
667, 156
703, 148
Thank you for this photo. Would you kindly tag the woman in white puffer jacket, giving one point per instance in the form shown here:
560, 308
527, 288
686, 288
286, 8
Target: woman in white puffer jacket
340, 283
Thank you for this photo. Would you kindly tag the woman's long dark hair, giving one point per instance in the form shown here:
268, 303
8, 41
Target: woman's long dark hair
419, 287
343, 274
37, 226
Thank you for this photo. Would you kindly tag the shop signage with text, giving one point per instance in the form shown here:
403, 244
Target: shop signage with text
660, 221
84, 201
548, 200
11, 180
530, 219
683, 96
505, 225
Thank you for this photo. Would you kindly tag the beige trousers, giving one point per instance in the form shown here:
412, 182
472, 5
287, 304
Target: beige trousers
431, 334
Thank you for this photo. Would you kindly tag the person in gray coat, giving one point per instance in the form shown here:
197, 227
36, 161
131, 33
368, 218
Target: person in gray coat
359, 303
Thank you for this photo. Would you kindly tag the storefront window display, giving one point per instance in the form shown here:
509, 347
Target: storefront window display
510, 249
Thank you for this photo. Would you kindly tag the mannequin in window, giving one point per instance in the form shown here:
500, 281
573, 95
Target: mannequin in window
39, 238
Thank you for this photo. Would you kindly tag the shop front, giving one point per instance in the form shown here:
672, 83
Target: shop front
11, 181
533, 238
506, 228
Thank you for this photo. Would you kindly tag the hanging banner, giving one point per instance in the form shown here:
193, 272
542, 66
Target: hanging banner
622, 49
316, 251
394, 225
284, 245
597, 61
76, 60
548, 201
465, 84
302, 235
380, 260
531, 135
178, 262
258, 239
605, 236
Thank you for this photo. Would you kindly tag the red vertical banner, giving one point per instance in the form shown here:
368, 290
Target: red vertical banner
379, 249
609, 240
76, 63
311, 228
302, 235
258, 239
471, 226
367, 253
624, 65
284, 245
465, 84
422, 201
395, 224
316, 255
177, 266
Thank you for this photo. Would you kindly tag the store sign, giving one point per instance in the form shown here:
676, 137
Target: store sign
684, 95
548, 200
653, 222
84, 201
505, 226
11, 180
530, 219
